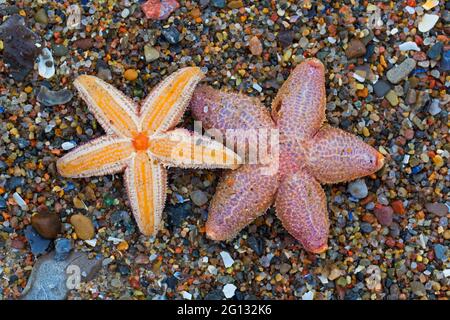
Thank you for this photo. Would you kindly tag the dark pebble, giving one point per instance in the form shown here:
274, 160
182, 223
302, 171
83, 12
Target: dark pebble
351, 295
445, 62
381, 88
84, 44
47, 224
14, 183
257, 245
60, 50
440, 252
20, 50
171, 34
214, 295
438, 209
171, 282
366, 227
179, 213
384, 215
286, 37
218, 3
123, 269
2, 204
435, 51
355, 49
63, 247
38, 244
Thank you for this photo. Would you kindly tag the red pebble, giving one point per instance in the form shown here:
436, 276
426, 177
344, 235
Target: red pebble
390, 242
17, 244
397, 205
383, 214
159, 10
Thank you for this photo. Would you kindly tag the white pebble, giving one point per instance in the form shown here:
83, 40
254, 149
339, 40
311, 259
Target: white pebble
19, 200
74, 16
409, 45
410, 10
212, 270
434, 108
228, 290
68, 145
447, 273
91, 242
394, 31
308, 295
406, 159
257, 87
428, 22
115, 240
331, 40
125, 13
358, 189
323, 279
46, 65
227, 259
358, 77
187, 295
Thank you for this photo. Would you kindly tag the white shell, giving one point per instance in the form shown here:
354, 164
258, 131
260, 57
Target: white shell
410, 45
428, 22
46, 65
74, 16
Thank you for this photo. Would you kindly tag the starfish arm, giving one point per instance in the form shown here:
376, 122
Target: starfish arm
222, 110
302, 208
165, 105
101, 156
299, 107
146, 182
241, 196
336, 156
115, 112
182, 148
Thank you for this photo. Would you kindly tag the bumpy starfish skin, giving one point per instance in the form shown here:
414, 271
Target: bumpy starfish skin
246, 193
141, 140
309, 154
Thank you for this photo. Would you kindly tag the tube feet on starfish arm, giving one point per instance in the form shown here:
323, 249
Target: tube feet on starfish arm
141, 140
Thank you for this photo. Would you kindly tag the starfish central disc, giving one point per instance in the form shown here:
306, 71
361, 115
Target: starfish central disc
140, 142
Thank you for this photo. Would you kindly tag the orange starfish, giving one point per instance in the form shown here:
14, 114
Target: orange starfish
140, 140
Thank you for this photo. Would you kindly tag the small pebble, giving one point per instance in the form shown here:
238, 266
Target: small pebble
435, 51
83, 226
41, 16
410, 45
355, 49
53, 98
47, 224
358, 189
150, 53
384, 215
436, 208
130, 74
227, 259
427, 22
255, 46
63, 247
199, 198
229, 290
381, 88
401, 71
